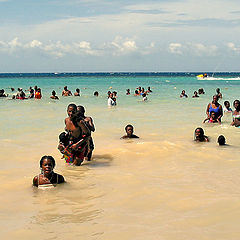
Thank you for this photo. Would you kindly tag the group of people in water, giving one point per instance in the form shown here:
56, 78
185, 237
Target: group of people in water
215, 112
140, 91
76, 142
36, 93
195, 93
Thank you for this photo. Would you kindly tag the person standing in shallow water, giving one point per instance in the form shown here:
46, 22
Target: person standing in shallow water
214, 106
78, 134
129, 132
47, 178
236, 114
66, 92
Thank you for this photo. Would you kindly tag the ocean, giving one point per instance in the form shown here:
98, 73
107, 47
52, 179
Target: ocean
160, 186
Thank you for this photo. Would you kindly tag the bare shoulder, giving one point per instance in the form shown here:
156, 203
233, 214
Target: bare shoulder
124, 137
35, 181
60, 179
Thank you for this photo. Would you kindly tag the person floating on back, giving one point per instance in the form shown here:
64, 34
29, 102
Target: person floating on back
129, 131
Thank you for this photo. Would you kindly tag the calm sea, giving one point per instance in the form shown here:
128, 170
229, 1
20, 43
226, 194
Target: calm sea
162, 186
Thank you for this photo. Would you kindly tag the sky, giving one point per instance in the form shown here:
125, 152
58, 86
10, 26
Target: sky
119, 35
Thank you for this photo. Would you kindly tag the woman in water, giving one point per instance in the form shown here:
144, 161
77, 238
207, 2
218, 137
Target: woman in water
47, 178
236, 114
199, 135
214, 106
226, 107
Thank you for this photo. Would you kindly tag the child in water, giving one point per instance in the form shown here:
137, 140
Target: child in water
47, 178
129, 131
199, 135
213, 118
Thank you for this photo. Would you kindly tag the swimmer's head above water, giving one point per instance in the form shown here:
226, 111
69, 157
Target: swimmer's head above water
71, 109
199, 135
47, 164
221, 140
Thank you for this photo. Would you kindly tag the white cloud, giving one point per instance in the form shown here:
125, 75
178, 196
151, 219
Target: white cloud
14, 43
33, 44
233, 47
197, 49
175, 48
122, 46
200, 49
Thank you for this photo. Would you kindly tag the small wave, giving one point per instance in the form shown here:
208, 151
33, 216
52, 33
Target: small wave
219, 79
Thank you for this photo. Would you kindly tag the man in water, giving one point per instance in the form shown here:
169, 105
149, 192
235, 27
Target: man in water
66, 92
129, 131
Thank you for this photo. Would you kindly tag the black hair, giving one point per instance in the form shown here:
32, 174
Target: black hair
81, 109
225, 102
201, 130
235, 101
129, 125
221, 140
49, 158
64, 138
73, 105
95, 93
144, 95
76, 118
202, 136
78, 90
53, 92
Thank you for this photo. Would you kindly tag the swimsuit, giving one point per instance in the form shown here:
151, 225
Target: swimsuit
47, 185
70, 155
38, 95
216, 110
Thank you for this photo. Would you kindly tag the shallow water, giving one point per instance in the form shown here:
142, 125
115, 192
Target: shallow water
161, 186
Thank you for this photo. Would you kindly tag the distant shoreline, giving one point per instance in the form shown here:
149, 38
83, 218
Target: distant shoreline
114, 74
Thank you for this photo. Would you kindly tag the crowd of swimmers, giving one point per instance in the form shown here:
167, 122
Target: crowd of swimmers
76, 143
36, 93
215, 112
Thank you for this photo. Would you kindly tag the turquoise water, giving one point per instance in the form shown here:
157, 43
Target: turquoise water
163, 184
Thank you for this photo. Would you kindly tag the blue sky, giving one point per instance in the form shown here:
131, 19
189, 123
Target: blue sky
104, 35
